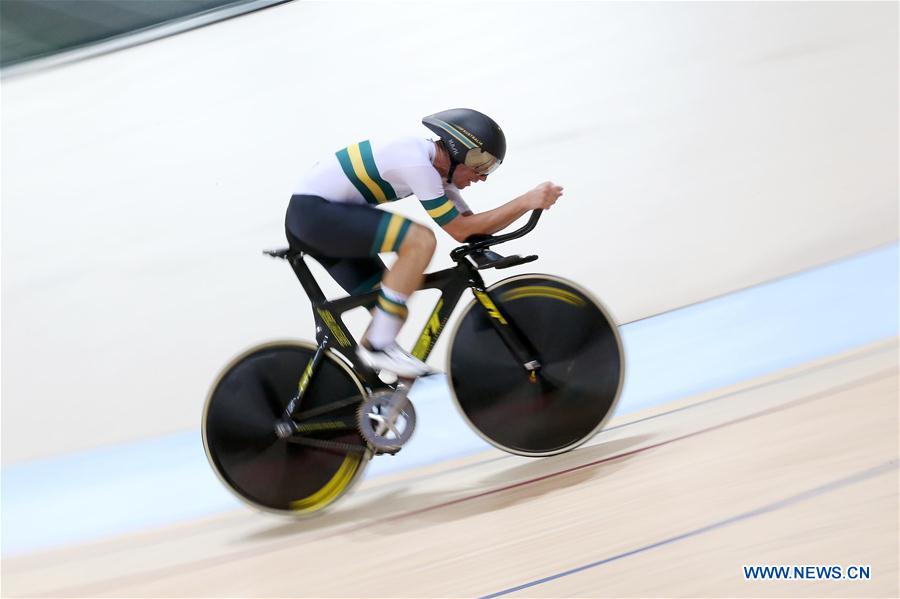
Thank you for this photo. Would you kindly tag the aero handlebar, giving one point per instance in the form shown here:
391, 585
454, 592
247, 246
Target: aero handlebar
488, 241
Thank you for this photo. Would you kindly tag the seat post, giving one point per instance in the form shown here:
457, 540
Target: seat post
306, 278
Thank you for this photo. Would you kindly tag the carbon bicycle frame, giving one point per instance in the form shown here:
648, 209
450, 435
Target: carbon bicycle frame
332, 333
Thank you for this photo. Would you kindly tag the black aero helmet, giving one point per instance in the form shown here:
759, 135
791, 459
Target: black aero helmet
471, 138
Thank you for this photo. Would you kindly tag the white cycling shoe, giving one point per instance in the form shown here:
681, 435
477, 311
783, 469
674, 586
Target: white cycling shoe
395, 359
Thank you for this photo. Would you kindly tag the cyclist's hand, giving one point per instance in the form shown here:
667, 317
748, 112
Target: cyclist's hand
543, 196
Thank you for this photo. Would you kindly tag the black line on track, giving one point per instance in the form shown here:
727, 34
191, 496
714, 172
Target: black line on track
778, 379
765, 509
752, 416
193, 567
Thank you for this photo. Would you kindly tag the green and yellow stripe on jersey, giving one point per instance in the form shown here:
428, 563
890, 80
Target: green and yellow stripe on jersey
441, 210
391, 231
358, 164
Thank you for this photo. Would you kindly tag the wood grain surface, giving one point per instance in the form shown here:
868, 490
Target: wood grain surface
796, 468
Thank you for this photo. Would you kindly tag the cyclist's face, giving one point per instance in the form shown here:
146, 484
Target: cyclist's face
464, 176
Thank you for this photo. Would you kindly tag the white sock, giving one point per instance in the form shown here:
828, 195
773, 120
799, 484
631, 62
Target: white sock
394, 295
390, 314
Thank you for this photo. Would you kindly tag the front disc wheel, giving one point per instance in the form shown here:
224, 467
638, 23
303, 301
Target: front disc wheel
579, 381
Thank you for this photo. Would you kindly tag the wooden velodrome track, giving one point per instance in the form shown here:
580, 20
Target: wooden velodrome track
799, 467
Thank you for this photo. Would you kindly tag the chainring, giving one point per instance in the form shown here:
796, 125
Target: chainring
386, 420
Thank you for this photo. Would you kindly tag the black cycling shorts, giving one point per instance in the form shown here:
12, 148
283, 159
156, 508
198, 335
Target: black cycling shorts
345, 238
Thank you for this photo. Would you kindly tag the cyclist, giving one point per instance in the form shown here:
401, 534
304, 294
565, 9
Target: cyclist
333, 217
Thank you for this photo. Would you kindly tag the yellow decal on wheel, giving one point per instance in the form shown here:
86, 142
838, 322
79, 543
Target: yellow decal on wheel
543, 291
331, 489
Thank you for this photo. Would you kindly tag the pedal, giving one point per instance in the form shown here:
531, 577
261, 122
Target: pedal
386, 420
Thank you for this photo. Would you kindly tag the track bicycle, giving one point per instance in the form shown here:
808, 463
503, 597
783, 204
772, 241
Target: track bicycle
535, 366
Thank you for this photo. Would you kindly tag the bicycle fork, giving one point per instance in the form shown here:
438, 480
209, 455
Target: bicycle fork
512, 337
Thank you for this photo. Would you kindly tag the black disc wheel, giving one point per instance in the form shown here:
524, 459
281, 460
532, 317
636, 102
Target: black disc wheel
576, 388
260, 467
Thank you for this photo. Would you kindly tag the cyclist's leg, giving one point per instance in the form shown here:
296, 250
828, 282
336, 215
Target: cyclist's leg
360, 275
413, 257
357, 275
333, 231
404, 277
348, 234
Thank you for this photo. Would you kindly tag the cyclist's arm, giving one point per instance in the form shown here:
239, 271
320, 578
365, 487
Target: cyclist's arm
487, 223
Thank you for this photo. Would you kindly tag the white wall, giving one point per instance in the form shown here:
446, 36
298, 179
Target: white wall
703, 147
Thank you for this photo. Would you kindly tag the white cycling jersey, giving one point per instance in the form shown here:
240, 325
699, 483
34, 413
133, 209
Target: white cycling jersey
375, 173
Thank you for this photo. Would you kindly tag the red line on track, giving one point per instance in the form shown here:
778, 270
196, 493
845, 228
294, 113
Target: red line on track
193, 567
772, 410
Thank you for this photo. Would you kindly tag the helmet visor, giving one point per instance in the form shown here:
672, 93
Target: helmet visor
481, 162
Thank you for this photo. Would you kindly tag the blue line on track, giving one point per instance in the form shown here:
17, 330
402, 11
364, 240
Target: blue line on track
771, 507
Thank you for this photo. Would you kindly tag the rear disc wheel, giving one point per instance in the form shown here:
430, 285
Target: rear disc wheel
262, 469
